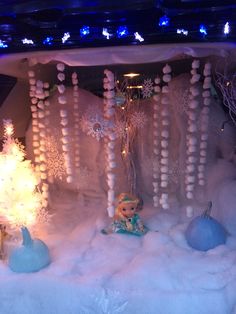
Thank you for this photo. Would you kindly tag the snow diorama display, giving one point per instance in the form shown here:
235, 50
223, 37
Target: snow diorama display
158, 138
21, 203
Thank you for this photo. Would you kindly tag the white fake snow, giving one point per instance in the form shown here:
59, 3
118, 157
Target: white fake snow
95, 273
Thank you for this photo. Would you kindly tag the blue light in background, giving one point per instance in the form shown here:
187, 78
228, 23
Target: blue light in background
202, 29
122, 31
48, 41
164, 21
3, 45
84, 31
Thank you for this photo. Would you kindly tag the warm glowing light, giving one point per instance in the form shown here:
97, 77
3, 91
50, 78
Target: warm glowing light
123, 108
131, 75
8, 127
135, 86
20, 199
123, 152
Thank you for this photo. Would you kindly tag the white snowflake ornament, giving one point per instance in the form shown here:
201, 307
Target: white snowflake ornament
147, 88
93, 123
138, 119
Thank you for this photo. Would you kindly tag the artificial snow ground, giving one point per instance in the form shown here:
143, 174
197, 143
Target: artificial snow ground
95, 273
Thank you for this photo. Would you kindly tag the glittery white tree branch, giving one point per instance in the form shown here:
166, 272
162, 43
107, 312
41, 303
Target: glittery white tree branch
165, 133
65, 138
109, 112
204, 119
227, 84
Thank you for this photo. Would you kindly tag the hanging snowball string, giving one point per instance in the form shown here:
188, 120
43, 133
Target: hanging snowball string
109, 112
191, 136
165, 133
156, 140
43, 115
204, 119
76, 120
35, 120
65, 138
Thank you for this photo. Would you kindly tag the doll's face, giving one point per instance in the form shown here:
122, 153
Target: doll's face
127, 210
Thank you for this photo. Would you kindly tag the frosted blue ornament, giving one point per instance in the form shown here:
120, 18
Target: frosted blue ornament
204, 232
32, 256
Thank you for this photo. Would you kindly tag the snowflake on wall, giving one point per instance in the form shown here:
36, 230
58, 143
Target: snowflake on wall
147, 88
93, 123
138, 119
119, 128
55, 160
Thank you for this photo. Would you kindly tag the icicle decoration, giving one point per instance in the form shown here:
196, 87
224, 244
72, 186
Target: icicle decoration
74, 78
165, 133
109, 111
65, 138
156, 142
204, 119
191, 136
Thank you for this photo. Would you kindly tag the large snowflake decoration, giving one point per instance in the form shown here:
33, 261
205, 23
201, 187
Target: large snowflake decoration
147, 88
92, 123
138, 119
55, 160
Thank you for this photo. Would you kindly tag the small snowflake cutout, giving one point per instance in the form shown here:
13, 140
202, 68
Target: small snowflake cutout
138, 119
147, 88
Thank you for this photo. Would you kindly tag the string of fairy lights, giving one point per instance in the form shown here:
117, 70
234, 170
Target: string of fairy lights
165, 30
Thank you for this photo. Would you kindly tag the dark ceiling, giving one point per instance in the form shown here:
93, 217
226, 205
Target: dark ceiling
38, 20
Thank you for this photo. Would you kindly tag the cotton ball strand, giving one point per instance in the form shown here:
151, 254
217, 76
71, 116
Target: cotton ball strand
61, 67
194, 91
166, 69
195, 78
189, 211
62, 100
157, 80
195, 64
61, 77
61, 88
167, 78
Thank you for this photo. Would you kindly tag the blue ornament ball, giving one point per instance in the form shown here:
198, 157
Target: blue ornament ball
32, 256
205, 233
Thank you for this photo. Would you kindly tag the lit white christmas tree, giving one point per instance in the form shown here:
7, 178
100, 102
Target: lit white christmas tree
20, 198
